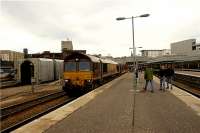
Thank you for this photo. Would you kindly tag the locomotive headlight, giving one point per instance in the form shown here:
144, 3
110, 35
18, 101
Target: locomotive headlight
77, 59
89, 80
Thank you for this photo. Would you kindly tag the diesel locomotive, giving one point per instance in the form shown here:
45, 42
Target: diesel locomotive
84, 72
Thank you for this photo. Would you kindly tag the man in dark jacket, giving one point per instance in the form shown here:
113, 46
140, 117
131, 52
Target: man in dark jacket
169, 75
136, 75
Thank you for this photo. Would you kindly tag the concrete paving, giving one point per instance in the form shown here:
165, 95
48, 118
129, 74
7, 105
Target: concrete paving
124, 109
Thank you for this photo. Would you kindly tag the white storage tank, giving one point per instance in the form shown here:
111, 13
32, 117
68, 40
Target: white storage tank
45, 70
58, 69
40, 69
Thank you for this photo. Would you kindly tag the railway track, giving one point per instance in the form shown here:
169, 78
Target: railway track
14, 108
188, 83
20, 114
17, 115
191, 90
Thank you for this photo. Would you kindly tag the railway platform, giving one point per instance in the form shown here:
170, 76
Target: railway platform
121, 107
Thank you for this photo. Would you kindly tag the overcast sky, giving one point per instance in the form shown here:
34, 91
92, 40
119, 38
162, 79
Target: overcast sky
40, 25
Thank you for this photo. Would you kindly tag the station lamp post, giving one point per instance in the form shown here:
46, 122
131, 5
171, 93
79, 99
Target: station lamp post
132, 18
134, 56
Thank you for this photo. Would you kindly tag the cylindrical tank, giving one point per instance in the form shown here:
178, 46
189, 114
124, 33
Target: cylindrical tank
43, 69
58, 69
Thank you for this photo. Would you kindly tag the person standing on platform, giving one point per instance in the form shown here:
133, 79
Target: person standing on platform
169, 75
162, 74
136, 75
148, 76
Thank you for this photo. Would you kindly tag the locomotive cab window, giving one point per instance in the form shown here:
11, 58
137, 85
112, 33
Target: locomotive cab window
70, 66
84, 66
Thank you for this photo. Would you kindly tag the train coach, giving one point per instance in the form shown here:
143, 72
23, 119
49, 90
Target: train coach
84, 72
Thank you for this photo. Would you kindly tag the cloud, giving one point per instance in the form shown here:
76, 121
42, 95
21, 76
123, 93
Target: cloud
34, 17
91, 24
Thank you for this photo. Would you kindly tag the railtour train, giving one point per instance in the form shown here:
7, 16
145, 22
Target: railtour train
84, 72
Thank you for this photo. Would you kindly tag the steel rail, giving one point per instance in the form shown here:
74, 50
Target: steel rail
12, 109
21, 123
187, 88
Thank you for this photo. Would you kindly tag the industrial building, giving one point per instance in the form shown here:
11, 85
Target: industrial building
8, 55
155, 53
186, 47
66, 49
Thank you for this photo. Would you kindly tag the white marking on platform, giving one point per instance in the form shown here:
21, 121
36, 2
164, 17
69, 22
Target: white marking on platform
189, 99
131, 90
108, 86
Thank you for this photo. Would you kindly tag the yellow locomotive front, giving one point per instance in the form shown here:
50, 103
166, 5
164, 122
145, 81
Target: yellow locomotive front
77, 72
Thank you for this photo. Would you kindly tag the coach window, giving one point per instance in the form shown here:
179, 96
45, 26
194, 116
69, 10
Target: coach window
84, 66
105, 67
70, 66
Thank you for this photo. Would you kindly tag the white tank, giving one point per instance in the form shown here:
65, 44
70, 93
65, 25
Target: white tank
58, 69
43, 69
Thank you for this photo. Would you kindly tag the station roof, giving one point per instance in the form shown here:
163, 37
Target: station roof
94, 58
174, 58
98, 59
108, 61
